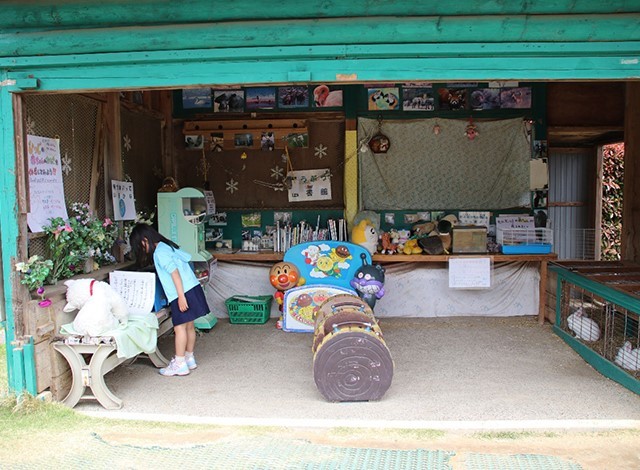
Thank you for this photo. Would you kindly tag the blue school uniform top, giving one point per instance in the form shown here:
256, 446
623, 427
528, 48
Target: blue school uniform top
167, 260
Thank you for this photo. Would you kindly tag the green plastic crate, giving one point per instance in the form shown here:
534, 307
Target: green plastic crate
249, 309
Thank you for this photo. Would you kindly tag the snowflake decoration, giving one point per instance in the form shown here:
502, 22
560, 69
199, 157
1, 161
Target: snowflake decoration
232, 186
276, 172
66, 164
157, 171
127, 142
30, 125
321, 151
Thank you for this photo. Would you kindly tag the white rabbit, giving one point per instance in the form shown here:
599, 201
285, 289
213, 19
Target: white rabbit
628, 358
583, 327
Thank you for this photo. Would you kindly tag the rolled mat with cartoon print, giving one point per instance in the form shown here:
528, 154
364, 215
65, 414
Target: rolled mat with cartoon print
351, 360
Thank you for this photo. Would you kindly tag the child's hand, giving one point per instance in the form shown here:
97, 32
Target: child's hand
182, 303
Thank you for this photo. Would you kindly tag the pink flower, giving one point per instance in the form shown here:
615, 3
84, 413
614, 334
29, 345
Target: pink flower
107, 222
68, 228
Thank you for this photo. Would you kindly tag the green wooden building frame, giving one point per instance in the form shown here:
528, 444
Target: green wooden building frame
85, 45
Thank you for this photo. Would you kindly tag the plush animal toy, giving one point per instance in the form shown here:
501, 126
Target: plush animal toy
100, 308
366, 235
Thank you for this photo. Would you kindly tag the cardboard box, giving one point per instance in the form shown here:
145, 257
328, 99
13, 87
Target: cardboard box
469, 239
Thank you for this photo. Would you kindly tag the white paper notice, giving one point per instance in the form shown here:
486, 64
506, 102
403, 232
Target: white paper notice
211, 202
310, 185
124, 207
137, 289
46, 190
470, 273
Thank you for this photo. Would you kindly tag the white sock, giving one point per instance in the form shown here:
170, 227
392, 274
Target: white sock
180, 359
188, 354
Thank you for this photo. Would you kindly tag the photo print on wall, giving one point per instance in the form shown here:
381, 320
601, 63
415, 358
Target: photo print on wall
326, 96
417, 99
511, 98
485, 98
293, 97
383, 99
228, 101
261, 98
196, 98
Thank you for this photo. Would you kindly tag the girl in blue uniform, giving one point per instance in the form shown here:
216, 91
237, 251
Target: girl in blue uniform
186, 297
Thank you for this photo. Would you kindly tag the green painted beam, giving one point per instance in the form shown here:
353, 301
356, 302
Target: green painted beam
364, 30
181, 74
8, 213
318, 52
57, 14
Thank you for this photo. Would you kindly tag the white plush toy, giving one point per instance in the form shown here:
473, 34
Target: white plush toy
100, 308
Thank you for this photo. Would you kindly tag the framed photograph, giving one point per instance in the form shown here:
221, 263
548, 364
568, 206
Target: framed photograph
452, 99
283, 217
410, 218
253, 219
293, 97
196, 98
417, 99
228, 101
193, 142
515, 98
219, 218
327, 96
216, 142
383, 99
485, 98
297, 139
260, 98
268, 141
390, 218
244, 140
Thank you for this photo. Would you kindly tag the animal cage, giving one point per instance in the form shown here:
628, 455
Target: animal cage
601, 324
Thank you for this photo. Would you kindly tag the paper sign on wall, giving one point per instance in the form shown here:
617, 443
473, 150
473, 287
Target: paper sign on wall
211, 202
470, 273
46, 190
124, 207
310, 185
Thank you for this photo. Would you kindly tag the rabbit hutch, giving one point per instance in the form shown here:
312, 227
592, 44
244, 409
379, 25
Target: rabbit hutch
412, 116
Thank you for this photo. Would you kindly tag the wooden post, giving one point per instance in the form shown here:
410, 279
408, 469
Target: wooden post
630, 239
113, 157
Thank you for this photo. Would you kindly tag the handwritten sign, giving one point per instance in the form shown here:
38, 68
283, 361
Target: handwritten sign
470, 273
479, 218
46, 190
124, 206
137, 289
211, 202
310, 185
509, 222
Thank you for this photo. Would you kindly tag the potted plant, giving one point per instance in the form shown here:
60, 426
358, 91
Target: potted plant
35, 272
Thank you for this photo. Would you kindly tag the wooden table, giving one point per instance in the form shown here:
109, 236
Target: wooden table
543, 261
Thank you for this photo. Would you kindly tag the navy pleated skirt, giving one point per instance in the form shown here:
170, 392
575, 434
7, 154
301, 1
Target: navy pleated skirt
197, 307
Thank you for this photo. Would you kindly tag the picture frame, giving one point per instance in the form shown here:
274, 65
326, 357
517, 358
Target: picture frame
194, 141
228, 101
418, 99
383, 99
293, 97
515, 98
260, 98
327, 96
484, 98
243, 140
196, 98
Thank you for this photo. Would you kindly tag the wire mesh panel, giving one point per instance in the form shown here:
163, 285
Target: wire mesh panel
605, 327
72, 119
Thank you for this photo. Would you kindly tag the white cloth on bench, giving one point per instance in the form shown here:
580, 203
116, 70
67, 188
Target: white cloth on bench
140, 335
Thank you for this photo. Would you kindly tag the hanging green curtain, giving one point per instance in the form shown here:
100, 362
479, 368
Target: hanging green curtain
424, 170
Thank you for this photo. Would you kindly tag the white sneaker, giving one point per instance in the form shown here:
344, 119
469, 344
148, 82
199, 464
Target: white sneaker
175, 369
191, 362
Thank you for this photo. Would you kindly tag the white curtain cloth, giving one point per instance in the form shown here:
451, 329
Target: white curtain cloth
411, 290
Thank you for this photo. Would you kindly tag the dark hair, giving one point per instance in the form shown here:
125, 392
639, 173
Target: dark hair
145, 231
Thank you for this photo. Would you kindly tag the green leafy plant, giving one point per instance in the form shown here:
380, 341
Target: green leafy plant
83, 236
35, 272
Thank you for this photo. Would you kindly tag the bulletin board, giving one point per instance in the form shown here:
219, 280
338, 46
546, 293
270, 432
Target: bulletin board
245, 175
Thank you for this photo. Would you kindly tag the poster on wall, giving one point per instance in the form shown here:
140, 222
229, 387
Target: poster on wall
124, 207
46, 190
383, 99
310, 185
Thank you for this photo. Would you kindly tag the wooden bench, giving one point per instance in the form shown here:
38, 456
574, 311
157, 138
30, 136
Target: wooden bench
102, 359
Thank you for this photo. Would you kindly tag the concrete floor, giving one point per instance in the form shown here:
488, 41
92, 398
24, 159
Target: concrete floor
494, 372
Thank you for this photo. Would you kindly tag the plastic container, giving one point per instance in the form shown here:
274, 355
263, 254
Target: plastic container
249, 309
537, 241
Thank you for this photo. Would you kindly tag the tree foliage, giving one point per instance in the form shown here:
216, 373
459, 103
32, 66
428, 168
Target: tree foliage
612, 185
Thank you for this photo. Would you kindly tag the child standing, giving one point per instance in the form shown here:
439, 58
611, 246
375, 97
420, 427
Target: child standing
183, 291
